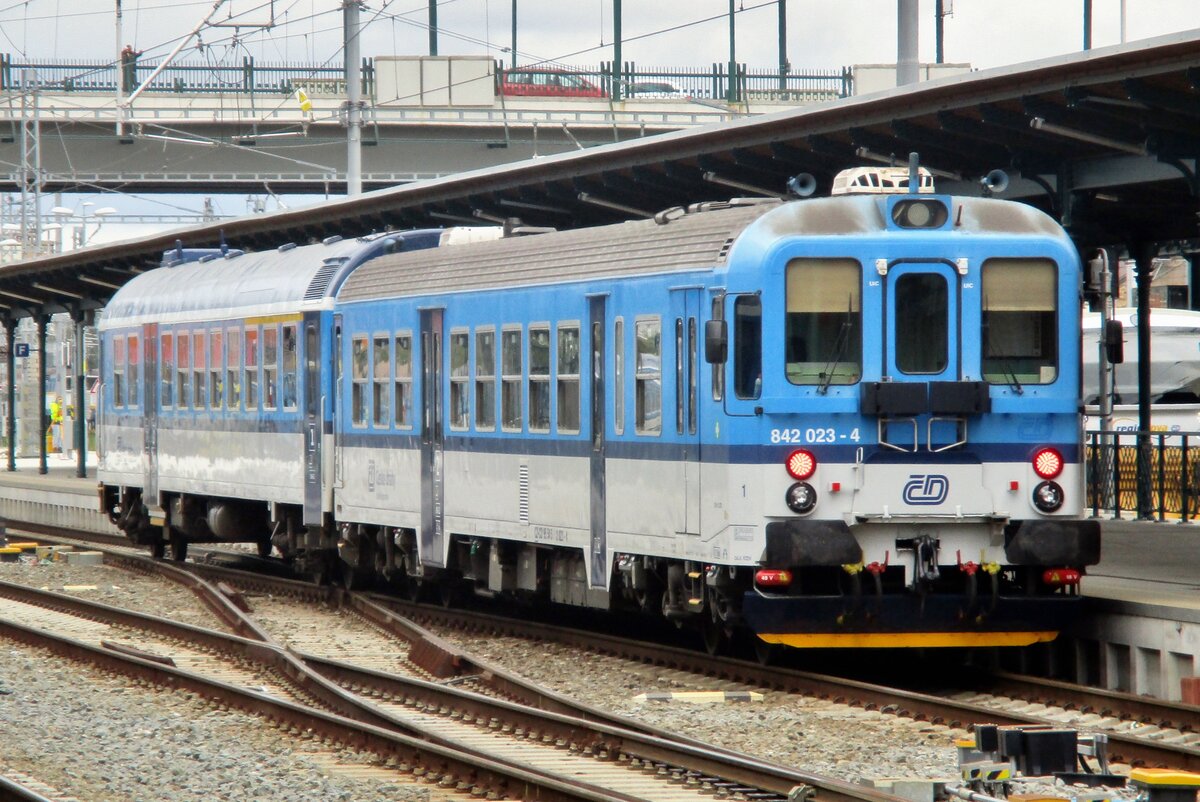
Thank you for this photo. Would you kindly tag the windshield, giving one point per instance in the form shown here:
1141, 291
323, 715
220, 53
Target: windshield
824, 321
1019, 320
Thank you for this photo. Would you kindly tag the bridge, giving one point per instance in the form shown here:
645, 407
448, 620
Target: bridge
242, 128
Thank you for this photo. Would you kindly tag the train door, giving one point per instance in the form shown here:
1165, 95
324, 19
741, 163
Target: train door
432, 466
339, 445
599, 561
924, 328
313, 420
149, 410
685, 306
923, 323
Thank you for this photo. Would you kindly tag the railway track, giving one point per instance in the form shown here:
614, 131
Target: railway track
1142, 731
617, 763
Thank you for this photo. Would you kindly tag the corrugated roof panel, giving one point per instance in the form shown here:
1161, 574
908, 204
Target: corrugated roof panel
696, 240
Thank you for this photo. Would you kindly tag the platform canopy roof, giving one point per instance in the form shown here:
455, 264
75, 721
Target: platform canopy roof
1106, 141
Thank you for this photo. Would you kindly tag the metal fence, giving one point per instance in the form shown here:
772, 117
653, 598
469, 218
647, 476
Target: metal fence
253, 77
247, 77
1171, 489
713, 83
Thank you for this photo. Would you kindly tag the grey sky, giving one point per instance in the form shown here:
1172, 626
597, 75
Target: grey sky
822, 33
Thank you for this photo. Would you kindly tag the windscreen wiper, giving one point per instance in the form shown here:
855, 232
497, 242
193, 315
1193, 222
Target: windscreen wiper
839, 348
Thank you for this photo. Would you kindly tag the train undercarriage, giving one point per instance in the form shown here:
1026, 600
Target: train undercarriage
827, 605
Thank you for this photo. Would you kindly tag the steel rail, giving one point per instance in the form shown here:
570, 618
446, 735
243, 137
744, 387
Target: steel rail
1122, 747
332, 676
452, 767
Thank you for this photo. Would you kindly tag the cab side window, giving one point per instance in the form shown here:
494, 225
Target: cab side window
747, 347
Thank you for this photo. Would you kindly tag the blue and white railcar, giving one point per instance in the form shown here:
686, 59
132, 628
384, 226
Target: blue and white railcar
216, 388
850, 421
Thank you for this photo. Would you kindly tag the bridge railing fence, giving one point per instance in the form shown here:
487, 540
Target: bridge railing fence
244, 77
713, 82
249, 76
1172, 461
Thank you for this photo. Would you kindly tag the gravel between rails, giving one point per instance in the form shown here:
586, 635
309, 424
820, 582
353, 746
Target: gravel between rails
128, 743
103, 739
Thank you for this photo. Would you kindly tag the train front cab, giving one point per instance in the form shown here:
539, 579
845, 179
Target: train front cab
914, 393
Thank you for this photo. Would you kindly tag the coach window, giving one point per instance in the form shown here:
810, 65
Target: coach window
648, 376
693, 378
118, 386
568, 379
233, 368
485, 380
403, 374
216, 356
270, 347
539, 378
291, 365
359, 358
1020, 312
511, 368
381, 384
679, 375
199, 374
460, 380
747, 346
166, 370
619, 376
183, 369
824, 321
251, 369
133, 380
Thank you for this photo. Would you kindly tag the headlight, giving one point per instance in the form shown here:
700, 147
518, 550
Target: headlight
919, 214
801, 498
1048, 496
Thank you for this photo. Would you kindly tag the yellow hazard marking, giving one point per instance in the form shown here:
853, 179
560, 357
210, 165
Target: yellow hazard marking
883, 640
1164, 777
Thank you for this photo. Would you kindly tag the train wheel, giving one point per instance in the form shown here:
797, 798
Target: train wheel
451, 592
158, 549
179, 549
766, 653
716, 636
414, 588
264, 548
352, 578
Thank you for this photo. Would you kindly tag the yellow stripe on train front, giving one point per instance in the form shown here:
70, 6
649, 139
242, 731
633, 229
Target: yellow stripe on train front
885, 640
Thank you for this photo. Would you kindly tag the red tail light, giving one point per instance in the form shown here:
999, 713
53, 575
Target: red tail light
773, 577
1048, 463
801, 464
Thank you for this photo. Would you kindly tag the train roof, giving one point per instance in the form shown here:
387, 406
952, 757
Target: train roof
266, 282
675, 240
706, 236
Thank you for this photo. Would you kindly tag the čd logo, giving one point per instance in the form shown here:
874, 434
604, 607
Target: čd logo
926, 489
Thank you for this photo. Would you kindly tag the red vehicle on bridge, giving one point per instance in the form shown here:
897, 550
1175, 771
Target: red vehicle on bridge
546, 82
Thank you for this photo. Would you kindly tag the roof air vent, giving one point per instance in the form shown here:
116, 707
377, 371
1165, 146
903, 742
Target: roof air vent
287, 246
331, 240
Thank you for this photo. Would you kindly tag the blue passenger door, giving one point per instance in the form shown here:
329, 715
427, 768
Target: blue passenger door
313, 420
599, 544
684, 328
432, 466
924, 323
